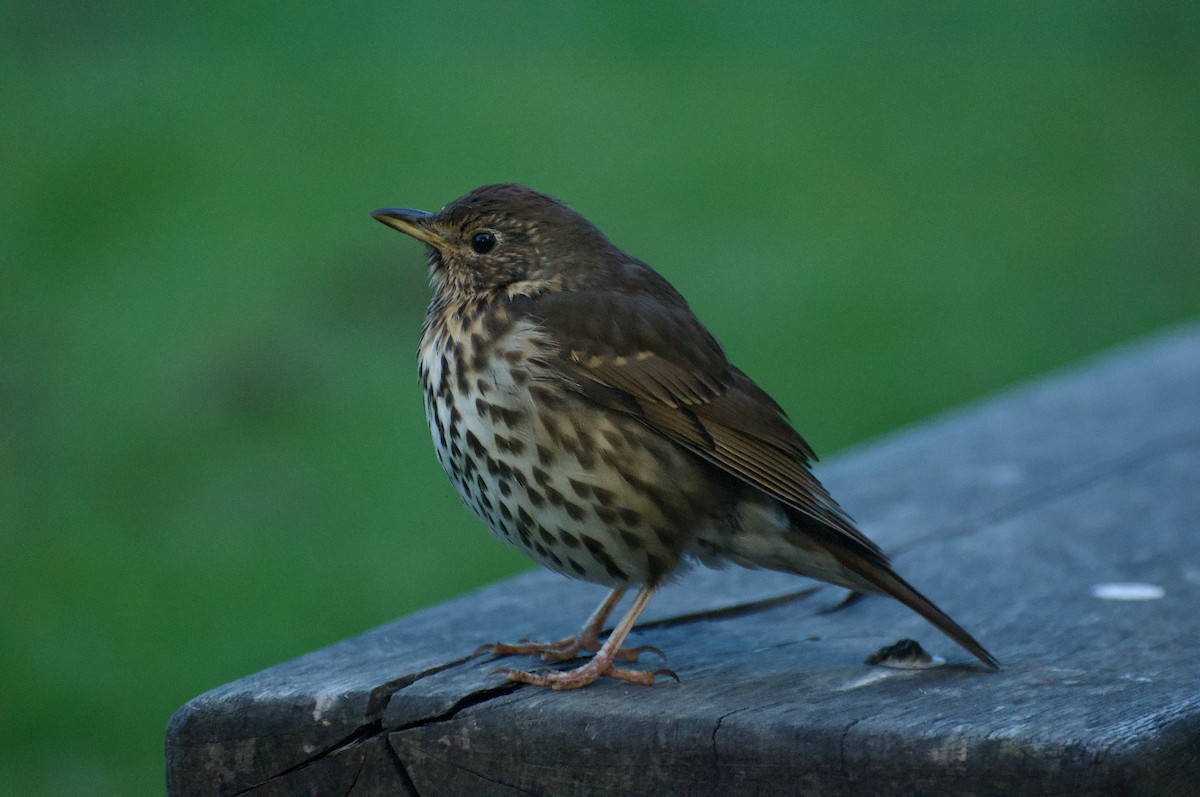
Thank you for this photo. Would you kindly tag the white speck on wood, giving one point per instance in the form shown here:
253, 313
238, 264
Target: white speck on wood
325, 701
875, 676
1128, 592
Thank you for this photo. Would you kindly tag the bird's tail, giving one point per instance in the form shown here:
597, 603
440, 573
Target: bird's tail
873, 568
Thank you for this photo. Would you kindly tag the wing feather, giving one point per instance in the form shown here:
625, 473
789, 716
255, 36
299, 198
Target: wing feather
649, 356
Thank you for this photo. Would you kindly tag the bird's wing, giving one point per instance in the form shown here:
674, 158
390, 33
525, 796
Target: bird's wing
653, 359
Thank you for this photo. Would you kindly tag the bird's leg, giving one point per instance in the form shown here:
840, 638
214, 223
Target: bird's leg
587, 639
602, 663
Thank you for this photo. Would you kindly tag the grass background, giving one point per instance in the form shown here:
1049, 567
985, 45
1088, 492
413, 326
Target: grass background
212, 450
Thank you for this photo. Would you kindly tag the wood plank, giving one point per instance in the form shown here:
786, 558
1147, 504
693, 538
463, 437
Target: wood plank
1007, 513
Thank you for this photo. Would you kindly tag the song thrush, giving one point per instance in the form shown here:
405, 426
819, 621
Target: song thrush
588, 417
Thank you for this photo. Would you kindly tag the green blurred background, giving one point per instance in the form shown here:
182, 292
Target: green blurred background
212, 450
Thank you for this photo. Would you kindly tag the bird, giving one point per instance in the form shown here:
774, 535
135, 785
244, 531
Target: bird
587, 416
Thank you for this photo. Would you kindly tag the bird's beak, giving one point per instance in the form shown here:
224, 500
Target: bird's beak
411, 222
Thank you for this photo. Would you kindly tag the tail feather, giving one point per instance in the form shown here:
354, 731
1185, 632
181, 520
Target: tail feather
873, 568
889, 582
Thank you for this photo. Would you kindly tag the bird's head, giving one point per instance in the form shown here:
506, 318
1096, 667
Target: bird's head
507, 239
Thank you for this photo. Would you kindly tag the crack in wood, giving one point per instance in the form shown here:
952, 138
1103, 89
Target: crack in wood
842, 745
721, 719
357, 774
466, 701
371, 726
374, 728
381, 696
726, 612
715, 752
716, 728
402, 773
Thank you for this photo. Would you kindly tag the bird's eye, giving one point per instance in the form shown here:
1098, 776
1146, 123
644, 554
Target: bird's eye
483, 242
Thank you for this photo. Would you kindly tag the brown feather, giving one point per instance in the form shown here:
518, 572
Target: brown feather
658, 363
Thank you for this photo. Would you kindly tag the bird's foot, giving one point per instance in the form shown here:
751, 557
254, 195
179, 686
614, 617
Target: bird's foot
586, 674
564, 649
600, 665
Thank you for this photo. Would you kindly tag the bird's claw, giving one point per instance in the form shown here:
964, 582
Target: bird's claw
668, 673
633, 654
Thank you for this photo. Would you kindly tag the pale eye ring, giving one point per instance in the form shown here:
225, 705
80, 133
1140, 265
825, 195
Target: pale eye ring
483, 242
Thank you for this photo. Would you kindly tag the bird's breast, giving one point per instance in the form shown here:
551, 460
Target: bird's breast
585, 491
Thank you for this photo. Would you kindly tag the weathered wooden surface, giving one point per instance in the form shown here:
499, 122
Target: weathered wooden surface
1006, 513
